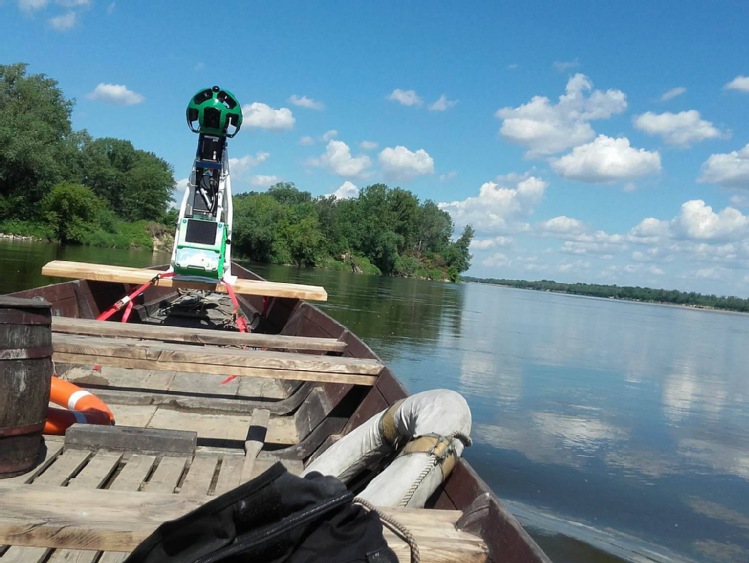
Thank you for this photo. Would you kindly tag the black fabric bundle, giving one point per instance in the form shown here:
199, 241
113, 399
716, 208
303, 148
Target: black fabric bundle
273, 518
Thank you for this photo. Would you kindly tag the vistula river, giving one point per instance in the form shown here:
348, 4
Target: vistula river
613, 430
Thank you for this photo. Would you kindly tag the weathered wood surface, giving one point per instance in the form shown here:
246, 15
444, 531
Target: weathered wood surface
267, 373
67, 325
153, 355
111, 520
131, 438
256, 436
122, 274
130, 348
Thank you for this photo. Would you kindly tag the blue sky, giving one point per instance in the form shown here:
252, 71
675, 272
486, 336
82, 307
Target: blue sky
586, 141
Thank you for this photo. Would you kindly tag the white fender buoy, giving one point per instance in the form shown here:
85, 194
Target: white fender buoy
431, 427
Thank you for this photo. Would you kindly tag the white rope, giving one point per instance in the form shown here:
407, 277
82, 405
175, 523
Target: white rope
396, 527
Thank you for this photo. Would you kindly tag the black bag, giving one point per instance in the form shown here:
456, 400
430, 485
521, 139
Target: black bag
274, 517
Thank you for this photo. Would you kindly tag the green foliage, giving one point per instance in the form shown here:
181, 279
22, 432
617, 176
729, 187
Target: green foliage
135, 183
257, 223
19, 227
35, 136
73, 211
383, 231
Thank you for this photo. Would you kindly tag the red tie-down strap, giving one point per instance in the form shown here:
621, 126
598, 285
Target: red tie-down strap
128, 299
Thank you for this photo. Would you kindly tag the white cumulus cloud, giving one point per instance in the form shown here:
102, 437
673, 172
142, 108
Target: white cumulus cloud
729, 170
498, 209
347, 190
546, 128
495, 242
740, 83
264, 181
401, 163
263, 116
681, 129
442, 104
305, 102
607, 160
32, 5
338, 160
405, 97
240, 166
673, 93
563, 225
117, 94
63, 22
698, 221
368, 145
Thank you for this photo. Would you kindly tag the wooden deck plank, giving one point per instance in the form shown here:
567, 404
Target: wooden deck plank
66, 325
166, 476
122, 274
230, 475
130, 478
265, 461
118, 521
285, 374
93, 476
51, 449
63, 468
281, 430
133, 473
18, 554
169, 352
96, 472
199, 476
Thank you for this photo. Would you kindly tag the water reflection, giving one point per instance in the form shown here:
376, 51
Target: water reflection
642, 404
21, 261
383, 310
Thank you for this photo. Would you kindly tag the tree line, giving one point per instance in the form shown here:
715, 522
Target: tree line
63, 184
383, 230
642, 294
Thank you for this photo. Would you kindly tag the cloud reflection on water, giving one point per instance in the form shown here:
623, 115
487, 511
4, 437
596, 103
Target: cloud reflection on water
647, 398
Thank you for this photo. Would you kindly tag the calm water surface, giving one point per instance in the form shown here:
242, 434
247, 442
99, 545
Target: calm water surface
613, 430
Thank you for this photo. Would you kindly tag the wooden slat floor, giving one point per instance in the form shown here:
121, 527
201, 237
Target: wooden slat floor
209, 425
210, 471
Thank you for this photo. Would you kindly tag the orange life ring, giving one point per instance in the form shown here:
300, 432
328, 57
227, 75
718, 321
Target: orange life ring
82, 407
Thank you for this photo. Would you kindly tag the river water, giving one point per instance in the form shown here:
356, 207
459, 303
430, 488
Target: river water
613, 430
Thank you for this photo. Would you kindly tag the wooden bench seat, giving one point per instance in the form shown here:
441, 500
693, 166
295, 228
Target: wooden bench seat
155, 355
66, 325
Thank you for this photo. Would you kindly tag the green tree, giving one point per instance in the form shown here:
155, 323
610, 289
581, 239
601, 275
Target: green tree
403, 209
434, 228
257, 224
35, 133
287, 193
457, 256
73, 211
136, 184
303, 240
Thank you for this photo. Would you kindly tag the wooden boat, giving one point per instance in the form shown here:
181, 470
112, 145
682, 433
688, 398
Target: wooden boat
200, 410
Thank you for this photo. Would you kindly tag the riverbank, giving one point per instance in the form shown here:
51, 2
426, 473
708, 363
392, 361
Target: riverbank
161, 241
11, 236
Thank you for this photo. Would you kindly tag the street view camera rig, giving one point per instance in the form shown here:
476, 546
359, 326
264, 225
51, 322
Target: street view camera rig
202, 247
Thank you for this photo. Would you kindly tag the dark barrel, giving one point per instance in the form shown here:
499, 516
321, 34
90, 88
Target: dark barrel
25, 374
